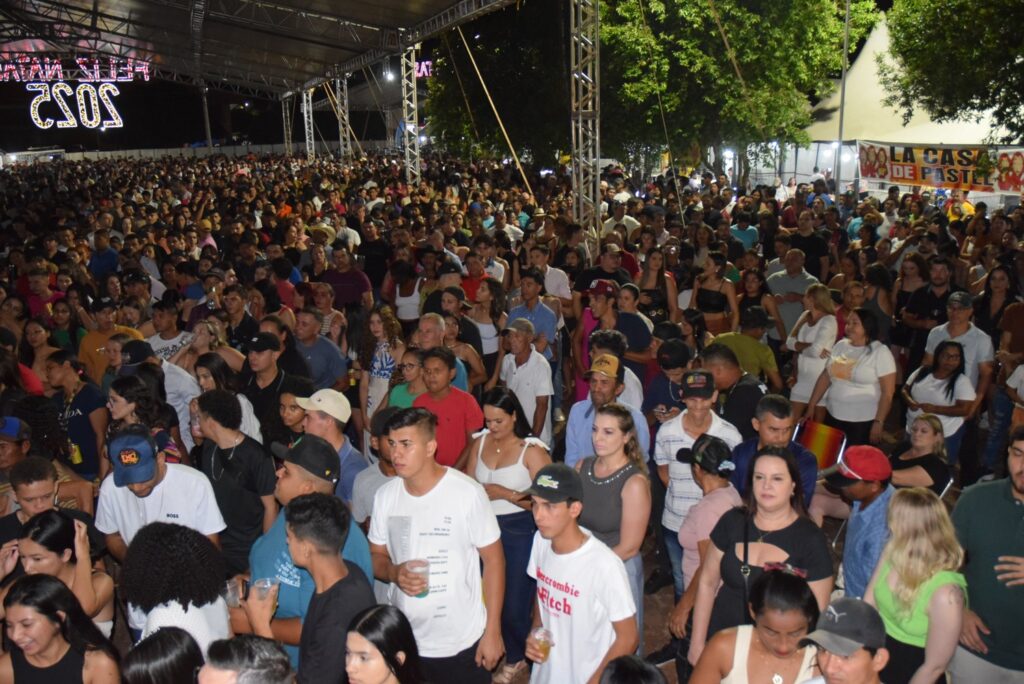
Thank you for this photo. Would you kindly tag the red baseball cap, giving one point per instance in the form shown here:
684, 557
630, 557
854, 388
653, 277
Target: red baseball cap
608, 288
860, 463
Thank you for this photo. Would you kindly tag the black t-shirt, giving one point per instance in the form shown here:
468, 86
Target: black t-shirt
803, 541
737, 404
11, 528
585, 278
240, 475
936, 468
239, 336
813, 248
266, 403
325, 628
376, 254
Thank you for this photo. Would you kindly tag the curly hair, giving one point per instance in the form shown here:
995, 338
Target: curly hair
392, 333
167, 562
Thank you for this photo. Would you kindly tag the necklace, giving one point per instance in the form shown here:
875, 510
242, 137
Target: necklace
223, 468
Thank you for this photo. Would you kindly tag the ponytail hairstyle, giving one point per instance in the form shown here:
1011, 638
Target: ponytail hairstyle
634, 453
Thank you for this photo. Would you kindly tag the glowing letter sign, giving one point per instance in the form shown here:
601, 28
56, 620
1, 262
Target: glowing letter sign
93, 97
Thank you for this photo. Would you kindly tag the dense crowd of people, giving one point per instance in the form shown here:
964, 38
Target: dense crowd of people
269, 420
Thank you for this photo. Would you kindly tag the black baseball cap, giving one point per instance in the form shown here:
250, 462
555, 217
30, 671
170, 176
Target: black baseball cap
710, 453
458, 293
449, 268
136, 351
846, 626
754, 317
103, 303
557, 483
316, 455
264, 341
698, 384
673, 354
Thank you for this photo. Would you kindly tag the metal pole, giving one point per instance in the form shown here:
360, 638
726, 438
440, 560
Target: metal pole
842, 102
206, 118
307, 124
410, 118
286, 124
341, 94
586, 113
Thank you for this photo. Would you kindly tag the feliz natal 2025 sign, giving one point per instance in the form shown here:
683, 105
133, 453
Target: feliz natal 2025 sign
96, 87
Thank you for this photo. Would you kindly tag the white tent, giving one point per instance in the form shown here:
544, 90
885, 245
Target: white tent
867, 118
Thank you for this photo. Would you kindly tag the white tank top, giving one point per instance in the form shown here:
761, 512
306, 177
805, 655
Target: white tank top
488, 337
516, 477
738, 674
408, 308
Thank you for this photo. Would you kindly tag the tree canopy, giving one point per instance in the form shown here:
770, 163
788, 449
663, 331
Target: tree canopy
788, 53
958, 58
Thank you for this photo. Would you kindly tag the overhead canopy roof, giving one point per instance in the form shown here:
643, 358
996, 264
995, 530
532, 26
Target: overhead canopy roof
868, 118
260, 47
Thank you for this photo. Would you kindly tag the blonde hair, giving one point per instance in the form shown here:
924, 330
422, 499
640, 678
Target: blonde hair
634, 453
821, 297
936, 425
921, 543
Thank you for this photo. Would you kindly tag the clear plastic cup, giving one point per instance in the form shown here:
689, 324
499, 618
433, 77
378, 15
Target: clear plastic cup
421, 567
262, 587
542, 635
232, 593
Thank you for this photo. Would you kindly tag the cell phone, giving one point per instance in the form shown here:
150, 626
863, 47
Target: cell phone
245, 589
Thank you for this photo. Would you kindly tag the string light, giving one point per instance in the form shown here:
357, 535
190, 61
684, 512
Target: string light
60, 91
89, 116
106, 92
88, 99
44, 96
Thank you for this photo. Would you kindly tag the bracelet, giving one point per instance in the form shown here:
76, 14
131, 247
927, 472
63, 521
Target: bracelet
877, 421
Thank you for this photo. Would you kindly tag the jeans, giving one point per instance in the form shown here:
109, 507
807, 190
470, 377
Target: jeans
635, 574
675, 558
953, 443
520, 589
557, 386
999, 415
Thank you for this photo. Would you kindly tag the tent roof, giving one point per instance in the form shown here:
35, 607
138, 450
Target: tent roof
260, 47
867, 118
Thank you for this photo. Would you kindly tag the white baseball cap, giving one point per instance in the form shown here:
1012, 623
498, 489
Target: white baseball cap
330, 402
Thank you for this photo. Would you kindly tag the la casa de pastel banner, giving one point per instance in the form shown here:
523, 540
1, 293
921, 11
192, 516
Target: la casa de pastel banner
978, 168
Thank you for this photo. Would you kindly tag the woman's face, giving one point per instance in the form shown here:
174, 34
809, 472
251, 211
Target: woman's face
36, 335
61, 314
130, 316
376, 326
923, 437
608, 437
451, 328
114, 287
686, 327
498, 422
909, 269
855, 330
12, 308
998, 281
751, 283
848, 267
120, 408
63, 282
291, 413
773, 486
30, 631
322, 298
411, 368
205, 378
112, 350
364, 663
949, 360
202, 337
39, 560
483, 294
780, 631
656, 261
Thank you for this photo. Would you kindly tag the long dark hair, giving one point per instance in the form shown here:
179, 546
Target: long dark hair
796, 501
502, 398
50, 597
390, 633
695, 319
928, 370
167, 656
52, 530
224, 376
26, 354
982, 303
497, 306
135, 390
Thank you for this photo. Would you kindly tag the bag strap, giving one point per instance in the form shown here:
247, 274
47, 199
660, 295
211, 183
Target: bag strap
745, 568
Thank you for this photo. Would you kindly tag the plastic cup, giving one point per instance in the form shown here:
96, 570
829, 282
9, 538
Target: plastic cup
421, 567
232, 593
262, 587
542, 635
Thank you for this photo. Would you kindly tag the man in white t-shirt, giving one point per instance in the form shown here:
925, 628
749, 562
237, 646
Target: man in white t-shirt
979, 356
583, 595
699, 394
145, 489
168, 340
439, 515
527, 374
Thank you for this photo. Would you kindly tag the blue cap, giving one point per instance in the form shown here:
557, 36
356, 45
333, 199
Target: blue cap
14, 430
134, 457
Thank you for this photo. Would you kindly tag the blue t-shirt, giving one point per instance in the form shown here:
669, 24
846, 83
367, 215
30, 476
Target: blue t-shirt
103, 263
269, 557
326, 362
661, 391
461, 380
352, 463
744, 452
638, 339
748, 236
866, 534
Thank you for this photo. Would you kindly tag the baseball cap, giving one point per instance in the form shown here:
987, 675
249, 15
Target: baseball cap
667, 330
331, 402
610, 248
557, 483
215, 273
673, 354
14, 430
960, 300
264, 341
608, 288
458, 293
136, 352
862, 463
132, 277
710, 453
698, 385
315, 455
608, 366
449, 268
133, 454
846, 626
103, 303
519, 325
754, 317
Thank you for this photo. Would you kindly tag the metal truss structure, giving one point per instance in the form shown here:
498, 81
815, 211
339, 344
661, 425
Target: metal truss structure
586, 112
307, 124
344, 125
410, 119
286, 122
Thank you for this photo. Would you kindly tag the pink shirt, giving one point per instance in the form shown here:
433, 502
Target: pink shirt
699, 522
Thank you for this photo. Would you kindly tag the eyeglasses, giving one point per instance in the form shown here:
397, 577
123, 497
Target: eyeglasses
408, 366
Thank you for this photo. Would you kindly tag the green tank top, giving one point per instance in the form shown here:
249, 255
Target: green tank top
911, 628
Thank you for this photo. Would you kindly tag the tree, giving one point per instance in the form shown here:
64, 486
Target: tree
957, 59
786, 52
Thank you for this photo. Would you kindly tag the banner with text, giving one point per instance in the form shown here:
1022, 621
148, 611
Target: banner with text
979, 168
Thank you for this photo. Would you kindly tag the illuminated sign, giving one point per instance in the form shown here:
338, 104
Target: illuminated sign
424, 69
93, 97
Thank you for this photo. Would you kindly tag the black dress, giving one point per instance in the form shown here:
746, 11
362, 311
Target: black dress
657, 310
